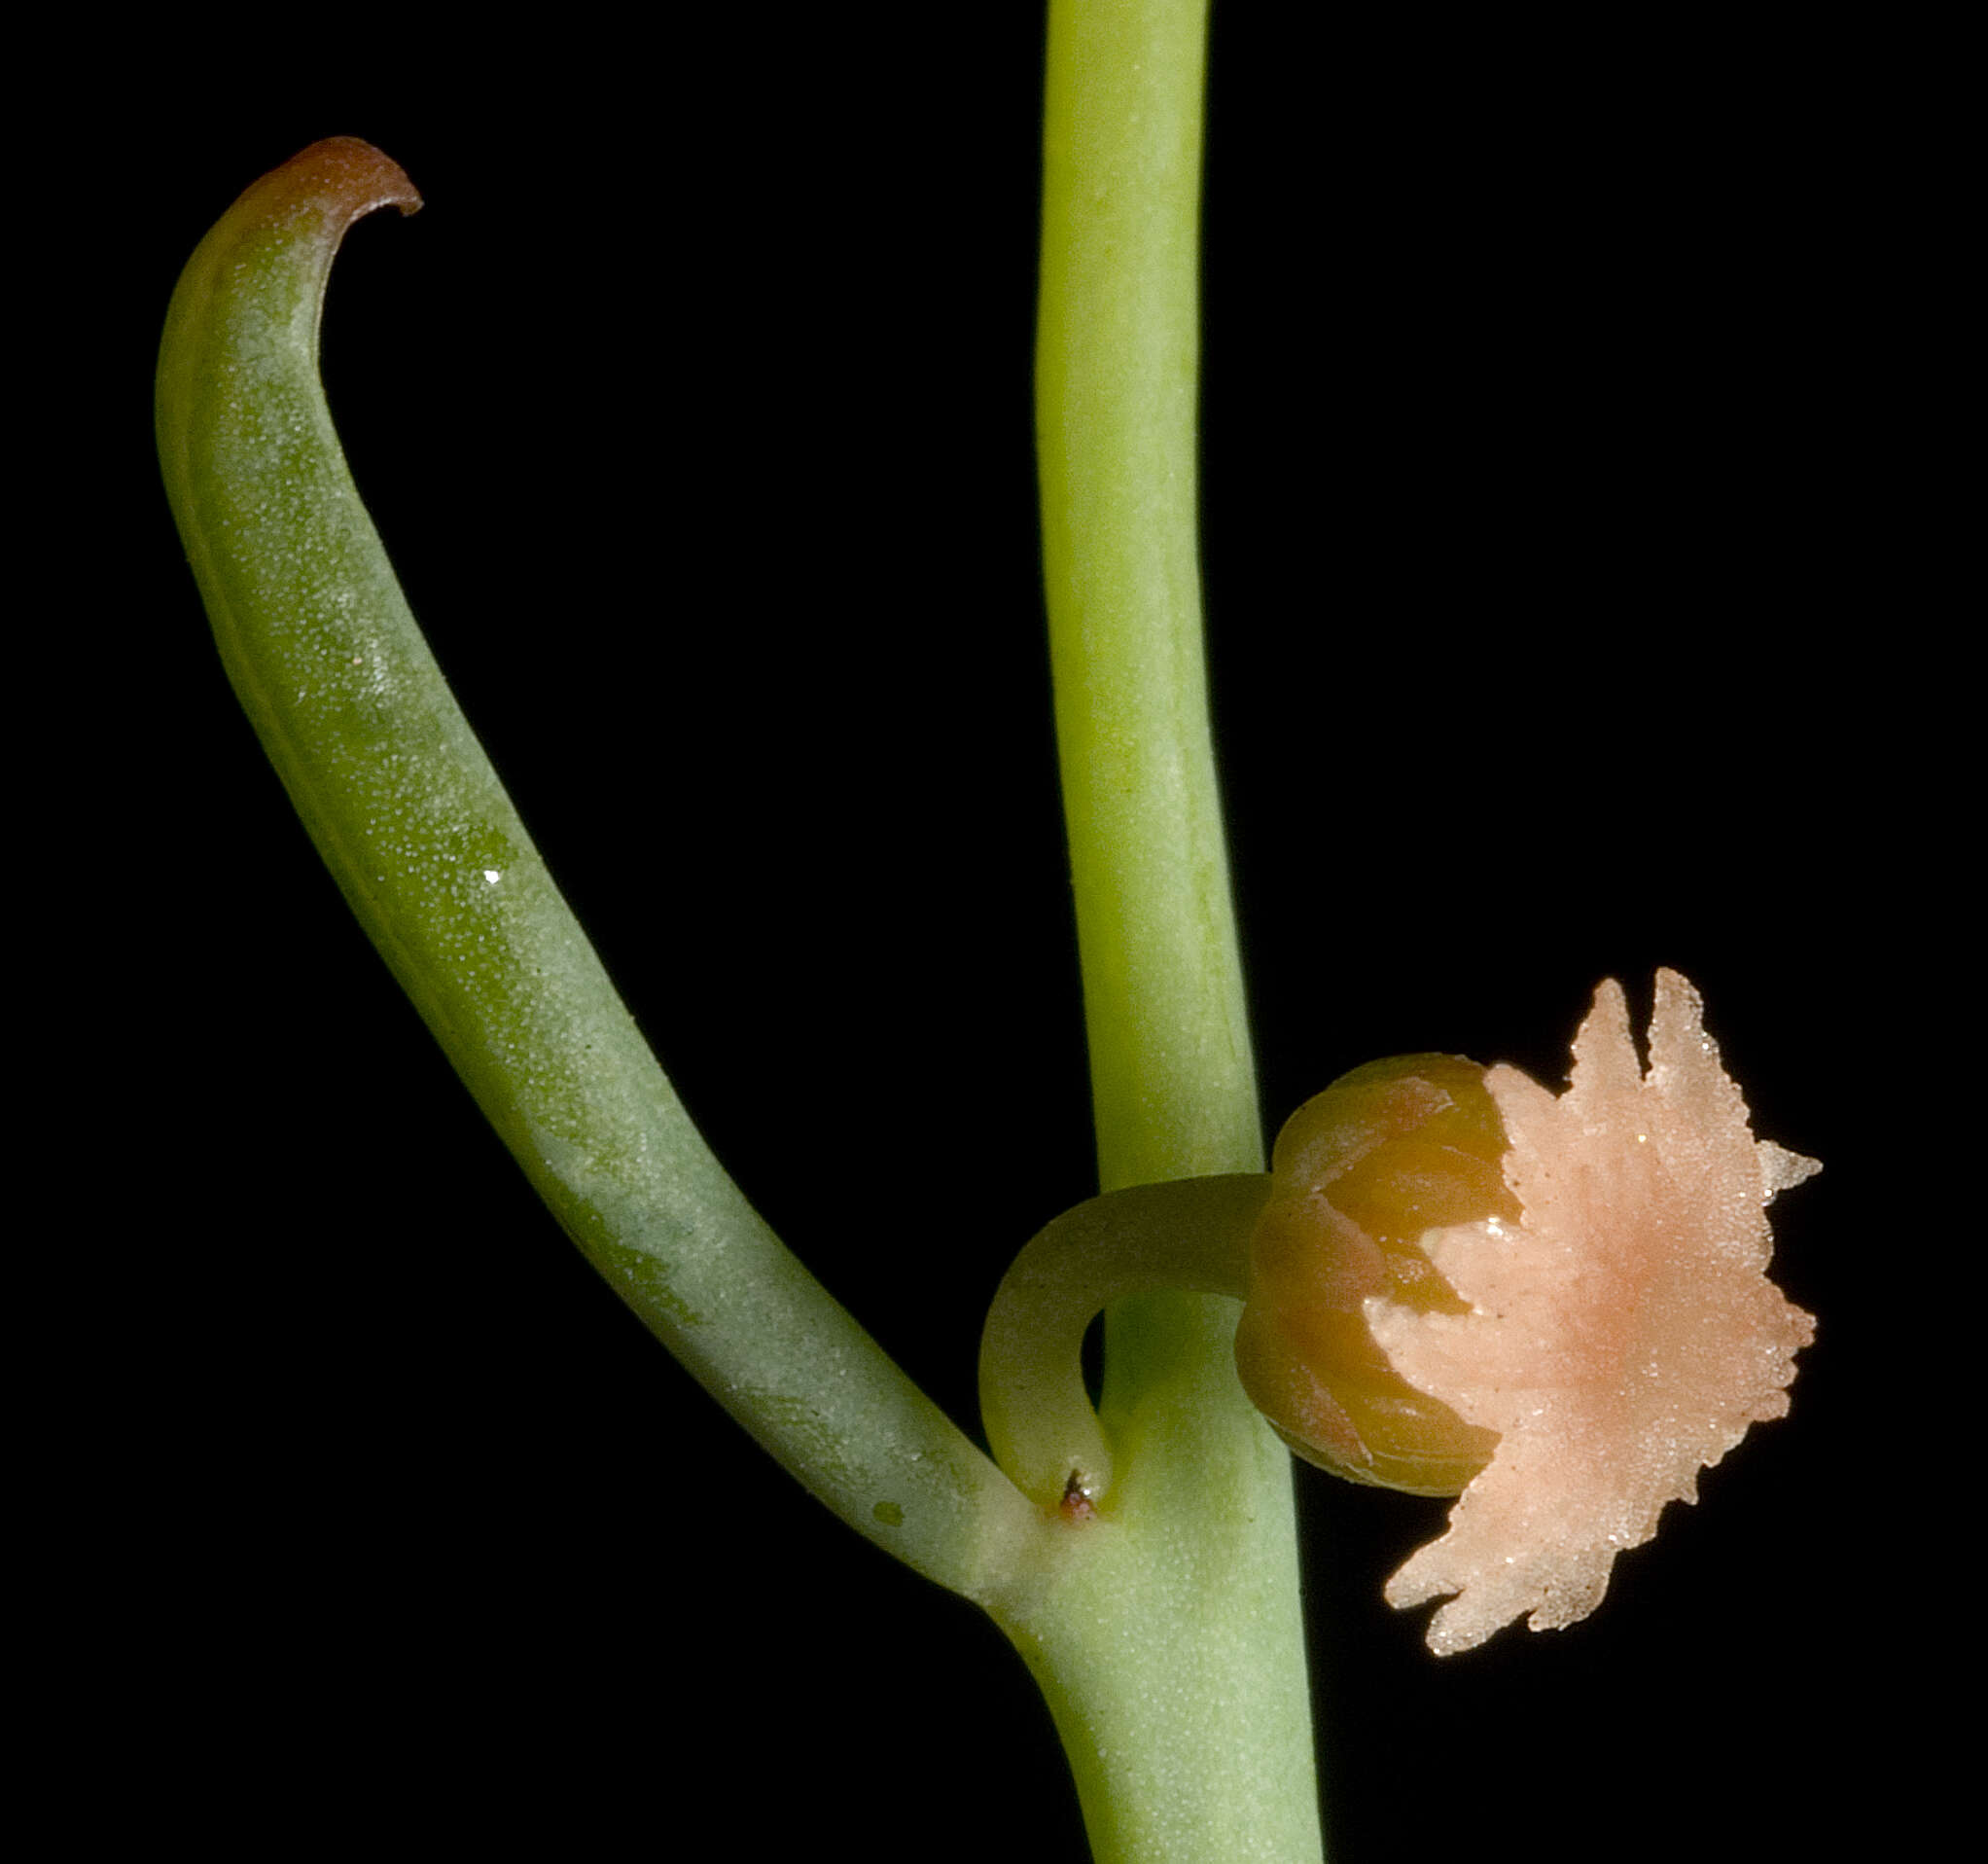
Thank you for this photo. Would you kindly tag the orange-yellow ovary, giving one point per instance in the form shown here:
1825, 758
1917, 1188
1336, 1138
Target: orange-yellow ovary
1361, 1173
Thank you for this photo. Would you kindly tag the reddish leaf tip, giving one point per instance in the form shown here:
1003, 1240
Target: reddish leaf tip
347, 177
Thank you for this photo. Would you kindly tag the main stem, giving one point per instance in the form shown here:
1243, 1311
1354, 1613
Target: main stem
1117, 367
1169, 1642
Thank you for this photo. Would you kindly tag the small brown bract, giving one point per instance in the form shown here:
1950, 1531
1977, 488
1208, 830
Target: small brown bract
1623, 1334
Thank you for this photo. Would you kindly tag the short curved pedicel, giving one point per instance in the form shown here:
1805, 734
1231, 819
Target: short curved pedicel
1189, 1233
413, 824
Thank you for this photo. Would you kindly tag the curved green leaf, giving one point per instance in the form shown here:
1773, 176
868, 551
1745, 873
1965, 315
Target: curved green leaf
413, 823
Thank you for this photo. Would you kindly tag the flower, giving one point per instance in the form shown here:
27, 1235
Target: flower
1604, 1328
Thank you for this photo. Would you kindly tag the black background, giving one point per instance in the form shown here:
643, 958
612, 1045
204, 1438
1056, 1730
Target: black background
1561, 620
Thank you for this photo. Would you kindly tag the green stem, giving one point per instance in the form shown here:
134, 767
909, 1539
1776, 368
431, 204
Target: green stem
417, 829
1169, 1643
1117, 369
